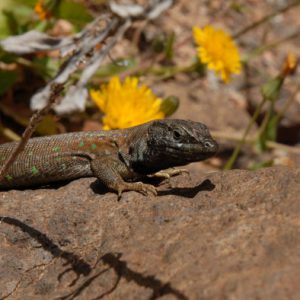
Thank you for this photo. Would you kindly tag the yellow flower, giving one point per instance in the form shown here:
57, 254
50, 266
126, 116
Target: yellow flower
41, 10
217, 49
290, 65
126, 105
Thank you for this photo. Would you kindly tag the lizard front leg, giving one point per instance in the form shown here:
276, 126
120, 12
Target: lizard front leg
168, 173
109, 169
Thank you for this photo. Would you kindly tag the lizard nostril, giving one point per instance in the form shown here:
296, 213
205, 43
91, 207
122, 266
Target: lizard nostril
208, 144
211, 145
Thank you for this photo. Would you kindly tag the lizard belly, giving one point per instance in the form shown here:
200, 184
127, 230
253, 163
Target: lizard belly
35, 171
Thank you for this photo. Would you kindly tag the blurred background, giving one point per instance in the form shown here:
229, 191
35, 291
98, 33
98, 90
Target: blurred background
229, 64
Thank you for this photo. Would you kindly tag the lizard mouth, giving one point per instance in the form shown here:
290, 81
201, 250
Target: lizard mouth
187, 153
208, 148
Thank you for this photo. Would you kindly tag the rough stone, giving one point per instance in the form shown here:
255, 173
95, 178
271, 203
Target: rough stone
222, 235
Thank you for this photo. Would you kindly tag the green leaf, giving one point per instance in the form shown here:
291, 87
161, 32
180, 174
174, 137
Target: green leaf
164, 43
169, 52
74, 12
48, 126
4, 26
16, 18
47, 67
7, 58
169, 105
7, 80
12, 23
116, 67
158, 43
272, 129
262, 164
269, 133
199, 67
260, 143
270, 90
28, 3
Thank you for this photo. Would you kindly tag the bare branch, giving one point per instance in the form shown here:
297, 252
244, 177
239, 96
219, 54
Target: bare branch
77, 94
56, 89
84, 54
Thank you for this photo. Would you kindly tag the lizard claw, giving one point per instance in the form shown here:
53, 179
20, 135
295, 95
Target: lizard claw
120, 191
146, 188
141, 187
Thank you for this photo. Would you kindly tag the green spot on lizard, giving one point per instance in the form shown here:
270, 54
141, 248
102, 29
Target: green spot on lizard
81, 144
93, 146
56, 149
9, 177
34, 170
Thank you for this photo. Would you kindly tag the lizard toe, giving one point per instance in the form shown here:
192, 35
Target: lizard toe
146, 188
141, 187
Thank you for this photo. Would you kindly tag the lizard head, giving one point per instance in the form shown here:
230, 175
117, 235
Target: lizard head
170, 143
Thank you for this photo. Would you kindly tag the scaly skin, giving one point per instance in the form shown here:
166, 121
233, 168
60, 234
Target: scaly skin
114, 157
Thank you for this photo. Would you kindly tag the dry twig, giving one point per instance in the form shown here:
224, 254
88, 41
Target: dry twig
56, 89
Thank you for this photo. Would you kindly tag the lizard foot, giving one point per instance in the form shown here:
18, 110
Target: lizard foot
168, 173
138, 187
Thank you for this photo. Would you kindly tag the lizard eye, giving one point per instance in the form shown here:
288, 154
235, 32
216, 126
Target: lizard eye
176, 134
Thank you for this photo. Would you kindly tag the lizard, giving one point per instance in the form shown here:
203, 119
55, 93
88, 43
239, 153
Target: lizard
118, 158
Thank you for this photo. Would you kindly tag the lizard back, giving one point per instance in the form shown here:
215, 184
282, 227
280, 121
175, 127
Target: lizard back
54, 158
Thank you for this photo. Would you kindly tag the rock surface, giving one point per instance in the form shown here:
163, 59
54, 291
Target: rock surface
223, 235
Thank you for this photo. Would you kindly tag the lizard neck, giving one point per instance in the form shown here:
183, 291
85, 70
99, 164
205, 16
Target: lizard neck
145, 158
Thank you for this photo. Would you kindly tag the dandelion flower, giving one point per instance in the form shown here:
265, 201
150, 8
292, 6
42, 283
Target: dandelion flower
217, 49
126, 104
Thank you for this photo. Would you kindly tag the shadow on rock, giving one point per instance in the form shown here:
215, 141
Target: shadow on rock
99, 188
189, 192
78, 265
49, 186
121, 269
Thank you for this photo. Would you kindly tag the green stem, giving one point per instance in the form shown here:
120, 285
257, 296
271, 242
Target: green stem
263, 135
264, 123
237, 149
167, 72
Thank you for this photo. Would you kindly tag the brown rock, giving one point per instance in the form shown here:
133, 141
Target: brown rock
224, 235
